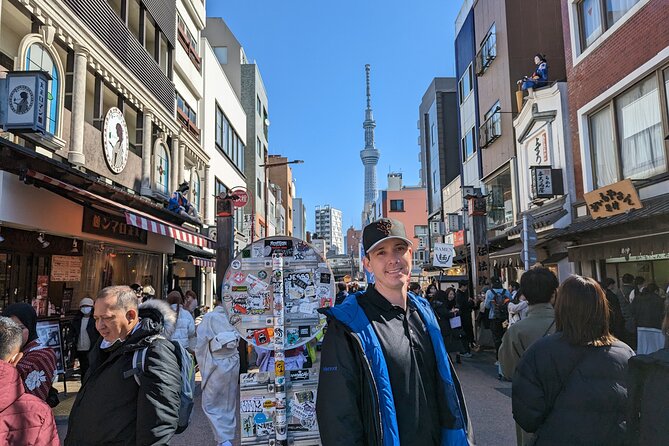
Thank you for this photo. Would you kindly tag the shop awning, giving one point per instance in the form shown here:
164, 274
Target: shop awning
132, 216
163, 228
202, 262
541, 220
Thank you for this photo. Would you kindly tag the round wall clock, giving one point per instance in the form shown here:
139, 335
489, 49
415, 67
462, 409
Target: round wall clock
115, 140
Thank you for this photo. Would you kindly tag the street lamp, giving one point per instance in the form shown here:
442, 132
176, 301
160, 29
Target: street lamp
266, 166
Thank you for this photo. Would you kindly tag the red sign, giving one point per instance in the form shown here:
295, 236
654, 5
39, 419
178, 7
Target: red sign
242, 197
459, 238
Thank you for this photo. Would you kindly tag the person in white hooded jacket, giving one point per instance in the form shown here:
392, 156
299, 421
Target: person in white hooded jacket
218, 357
184, 333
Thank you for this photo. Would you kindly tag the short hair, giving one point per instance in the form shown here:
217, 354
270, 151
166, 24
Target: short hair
414, 286
11, 337
126, 299
639, 280
582, 312
651, 288
538, 285
463, 283
191, 294
515, 285
341, 286
628, 278
608, 282
174, 297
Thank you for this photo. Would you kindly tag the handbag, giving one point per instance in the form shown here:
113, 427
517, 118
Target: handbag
455, 322
52, 398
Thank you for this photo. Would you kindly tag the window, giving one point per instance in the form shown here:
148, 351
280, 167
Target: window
150, 37
219, 187
259, 188
397, 205
227, 139
259, 146
189, 42
596, 16
38, 58
468, 145
134, 21
487, 52
162, 169
466, 84
188, 116
221, 53
630, 143
258, 106
219, 127
196, 190
499, 200
492, 126
432, 138
420, 230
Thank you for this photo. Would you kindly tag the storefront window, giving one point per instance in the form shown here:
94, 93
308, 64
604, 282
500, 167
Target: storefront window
499, 200
106, 265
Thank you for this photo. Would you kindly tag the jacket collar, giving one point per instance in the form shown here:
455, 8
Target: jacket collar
541, 310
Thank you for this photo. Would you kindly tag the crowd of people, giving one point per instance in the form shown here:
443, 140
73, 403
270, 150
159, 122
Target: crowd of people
136, 355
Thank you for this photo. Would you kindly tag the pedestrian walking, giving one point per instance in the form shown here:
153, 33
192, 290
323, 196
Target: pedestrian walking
111, 408
37, 367
218, 357
496, 302
84, 334
648, 311
538, 286
24, 418
466, 306
184, 332
450, 322
385, 377
639, 285
518, 307
570, 388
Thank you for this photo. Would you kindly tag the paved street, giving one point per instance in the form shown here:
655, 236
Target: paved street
488, 401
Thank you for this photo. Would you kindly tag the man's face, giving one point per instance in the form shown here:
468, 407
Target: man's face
113, 323
390, 262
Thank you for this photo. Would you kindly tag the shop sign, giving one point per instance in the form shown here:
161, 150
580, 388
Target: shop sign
241, 197
459, 238
613, 199
546, 182
443, 255
23, 101
65, 268
477, 206
99, 223
537, 149
453, 222
115, 140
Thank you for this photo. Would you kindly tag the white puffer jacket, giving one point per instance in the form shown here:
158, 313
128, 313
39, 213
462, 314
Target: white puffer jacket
184, 332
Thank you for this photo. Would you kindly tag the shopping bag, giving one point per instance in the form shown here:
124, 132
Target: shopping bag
455, 322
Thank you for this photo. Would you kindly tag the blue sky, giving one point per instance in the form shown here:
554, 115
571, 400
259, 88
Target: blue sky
312, 56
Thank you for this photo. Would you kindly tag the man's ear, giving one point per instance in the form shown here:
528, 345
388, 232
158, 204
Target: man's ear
131, 315
365, 263
15, 360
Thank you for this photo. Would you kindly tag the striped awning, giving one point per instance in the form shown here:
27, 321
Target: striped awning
202, 262
163, 228
132, 216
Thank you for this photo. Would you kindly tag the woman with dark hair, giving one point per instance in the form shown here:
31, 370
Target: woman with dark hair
539, 78
38, 364
570, 387
450, 322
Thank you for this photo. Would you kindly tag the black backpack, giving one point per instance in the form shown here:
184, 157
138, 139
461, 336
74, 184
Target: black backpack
501, 307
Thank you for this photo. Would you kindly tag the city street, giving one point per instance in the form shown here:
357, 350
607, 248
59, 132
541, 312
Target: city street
488, 401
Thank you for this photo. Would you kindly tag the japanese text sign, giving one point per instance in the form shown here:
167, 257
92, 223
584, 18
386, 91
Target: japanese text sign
613, 199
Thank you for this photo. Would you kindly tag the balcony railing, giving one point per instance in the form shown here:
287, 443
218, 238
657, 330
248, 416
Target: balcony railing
486, 54
491, 129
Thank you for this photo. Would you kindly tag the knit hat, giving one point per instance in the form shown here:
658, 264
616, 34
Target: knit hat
86, 301
26, 314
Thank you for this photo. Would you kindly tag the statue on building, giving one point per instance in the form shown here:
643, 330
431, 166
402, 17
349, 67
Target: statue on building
179, 204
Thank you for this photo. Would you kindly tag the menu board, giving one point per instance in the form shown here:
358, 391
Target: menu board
65, 268
248, 285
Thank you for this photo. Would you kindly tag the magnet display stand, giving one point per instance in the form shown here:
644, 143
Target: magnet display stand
271, 292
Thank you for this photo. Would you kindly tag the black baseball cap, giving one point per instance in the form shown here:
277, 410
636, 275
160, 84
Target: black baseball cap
380, 230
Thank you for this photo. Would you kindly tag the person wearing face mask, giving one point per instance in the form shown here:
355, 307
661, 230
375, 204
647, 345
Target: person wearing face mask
24, 418
37, 367
84, 333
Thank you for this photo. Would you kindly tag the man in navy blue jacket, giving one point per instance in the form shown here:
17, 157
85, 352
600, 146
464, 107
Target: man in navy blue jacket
385, 375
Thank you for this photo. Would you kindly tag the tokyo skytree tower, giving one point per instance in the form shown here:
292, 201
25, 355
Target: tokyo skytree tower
369, 155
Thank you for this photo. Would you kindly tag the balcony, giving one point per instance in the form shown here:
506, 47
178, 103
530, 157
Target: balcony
491, 129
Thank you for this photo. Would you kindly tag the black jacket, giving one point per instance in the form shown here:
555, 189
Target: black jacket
110, 408
616, 319
572, 395
93, 334
648, 310
648, 394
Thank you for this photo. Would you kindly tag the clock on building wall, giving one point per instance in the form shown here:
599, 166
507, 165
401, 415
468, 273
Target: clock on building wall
115, 140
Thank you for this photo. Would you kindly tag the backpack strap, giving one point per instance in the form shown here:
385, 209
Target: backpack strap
138, 360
